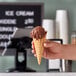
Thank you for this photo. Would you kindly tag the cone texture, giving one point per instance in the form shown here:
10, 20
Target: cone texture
39, 48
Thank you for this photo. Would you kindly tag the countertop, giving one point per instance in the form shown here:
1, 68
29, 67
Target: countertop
38, 74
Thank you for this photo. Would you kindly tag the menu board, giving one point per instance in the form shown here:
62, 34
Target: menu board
17, 15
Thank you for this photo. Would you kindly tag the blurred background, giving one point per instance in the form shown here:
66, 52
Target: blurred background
50, 7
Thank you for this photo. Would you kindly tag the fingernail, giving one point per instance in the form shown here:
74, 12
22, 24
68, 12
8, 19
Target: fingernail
32, 51
44, 44
35, 55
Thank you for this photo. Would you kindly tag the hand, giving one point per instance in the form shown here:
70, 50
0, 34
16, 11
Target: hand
52, 50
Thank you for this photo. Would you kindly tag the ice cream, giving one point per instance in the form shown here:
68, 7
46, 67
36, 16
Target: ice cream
39, 35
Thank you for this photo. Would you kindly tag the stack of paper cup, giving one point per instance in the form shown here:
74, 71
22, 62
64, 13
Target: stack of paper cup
49, 26
62, 29
62, 25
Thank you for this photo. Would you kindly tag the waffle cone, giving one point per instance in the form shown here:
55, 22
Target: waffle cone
39, 48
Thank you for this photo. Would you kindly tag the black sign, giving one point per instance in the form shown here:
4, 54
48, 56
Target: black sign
20, 15
17, 15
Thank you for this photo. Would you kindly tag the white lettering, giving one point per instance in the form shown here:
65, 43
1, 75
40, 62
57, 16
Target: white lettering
25, 13
8, 21
3, 44
29, 21
8, 29
4, 36
9, 13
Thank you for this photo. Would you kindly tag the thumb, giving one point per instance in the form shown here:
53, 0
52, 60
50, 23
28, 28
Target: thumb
48, 44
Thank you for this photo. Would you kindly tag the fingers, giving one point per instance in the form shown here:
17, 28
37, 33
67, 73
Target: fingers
48, 55
35, 55
49, 50
33, 47
48, 44
33, 51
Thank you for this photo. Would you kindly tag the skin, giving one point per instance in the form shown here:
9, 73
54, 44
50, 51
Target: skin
54, 50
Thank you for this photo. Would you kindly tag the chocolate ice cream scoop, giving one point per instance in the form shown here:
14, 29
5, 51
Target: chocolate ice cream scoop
38, 32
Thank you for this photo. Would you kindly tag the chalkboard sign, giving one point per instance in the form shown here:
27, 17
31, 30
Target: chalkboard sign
17, 15
20, 15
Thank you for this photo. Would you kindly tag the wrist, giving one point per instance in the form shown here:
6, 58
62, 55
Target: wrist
63, 54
